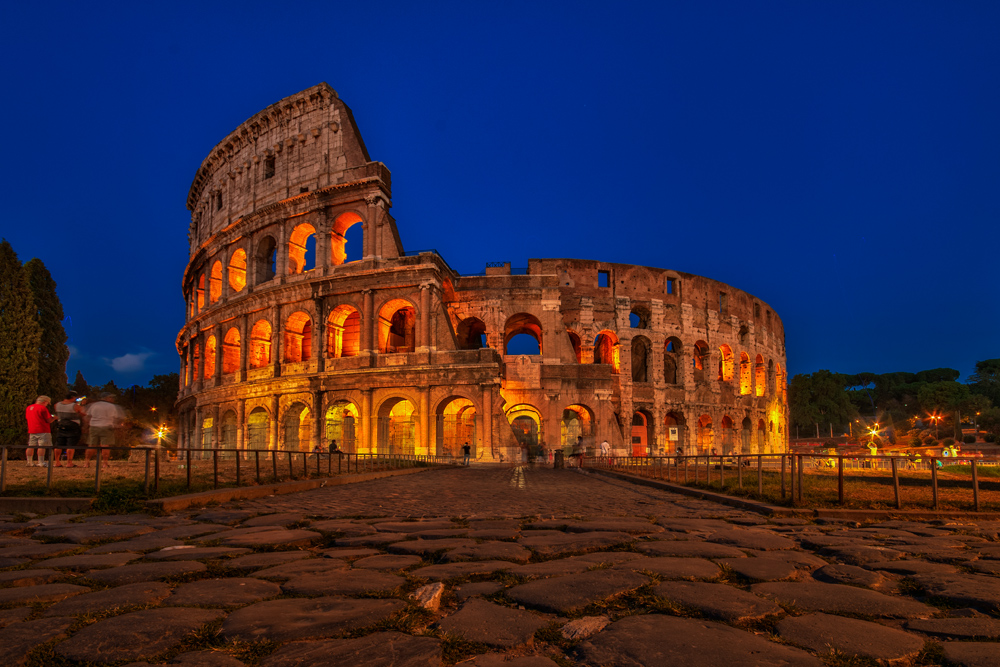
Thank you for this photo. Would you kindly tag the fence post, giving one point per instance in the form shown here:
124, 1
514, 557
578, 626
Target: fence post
687, 465
800, 477
722, 473
840, 479
156, 471
791, 477
782, 476
187, 466
215, 468
51, 452
760, 475
975, 486
3, 470
274, 463
237, 468
97, 472
934, 489
256, 456
739, 470
895, 481
147, 472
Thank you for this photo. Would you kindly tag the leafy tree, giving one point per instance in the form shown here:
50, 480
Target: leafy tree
938, 375
946, 395
819, 398
80, 385
19, 340
52, 350
986, 380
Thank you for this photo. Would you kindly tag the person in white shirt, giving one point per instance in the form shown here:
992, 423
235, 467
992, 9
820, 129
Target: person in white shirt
103, 417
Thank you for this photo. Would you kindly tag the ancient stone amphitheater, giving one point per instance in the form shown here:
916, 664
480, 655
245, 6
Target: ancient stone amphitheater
308, 321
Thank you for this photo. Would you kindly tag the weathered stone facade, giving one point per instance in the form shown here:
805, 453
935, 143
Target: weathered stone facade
307, 321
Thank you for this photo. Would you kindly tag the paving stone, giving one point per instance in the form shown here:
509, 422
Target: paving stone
381, 649
429, 596
654, 640
613, 524
841, 599
983, 566
762, 569
487, 623
440, 533
82, 533
41, 593
224, 516
306, 618
12, 562
675, 568
195, 553
130, 574
8, 616
29, 577
376, 540
301, 567
476, 589
969, 589
550, 568
717, 600
387, 562
149, 542
284, 519
825, 634
823, 541
681, 525
752, 539
19, 639
343, 582
428, 547
188, 531
129, 595
608, 557
913, 567
413, 526
852, 575
90, 561
971, 654
860, 555
205, 659
36, 550
584, 627
500, 660
567, 543
566, 594
274, 538
799, 559
345, 527
136, 635
347, 552
222, 592
489, 551
689, 549
959, 628
494, 534
252, 561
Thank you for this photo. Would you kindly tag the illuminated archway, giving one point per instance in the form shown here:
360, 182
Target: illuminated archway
745, 375
342, 426
397, 327
258, 429
266, 260
342, 248
238, 270
725, 363
343, 328
640, 359
526, 424
673, 433
574, 340
215, 283
760, 376
397, 427
705, 437
606, 350
471, 334
671, 352
296, 429
698, 359
227, 431
197, 363
201, 292
207, 432
210, 346
728, 439
298, 337
746, 436
455, 426
577, 422
302, 249
231, 351
522, 326
762, 437
642, 436
639, 317
260, 344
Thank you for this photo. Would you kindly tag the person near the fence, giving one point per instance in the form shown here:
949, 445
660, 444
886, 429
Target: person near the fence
605, 449
104, 416
577, 452
466, 452
39, 429
334, 449
69, 427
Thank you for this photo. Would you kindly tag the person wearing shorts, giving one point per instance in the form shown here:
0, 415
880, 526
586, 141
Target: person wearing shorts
103, 415
68, 427
39, 428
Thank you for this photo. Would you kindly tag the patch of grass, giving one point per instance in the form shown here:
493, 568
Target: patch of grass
933, 654
838, 659
454, 649
45, 655
410, 620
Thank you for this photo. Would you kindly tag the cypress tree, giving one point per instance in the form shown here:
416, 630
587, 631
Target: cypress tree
19, 339
80, 385
52, 350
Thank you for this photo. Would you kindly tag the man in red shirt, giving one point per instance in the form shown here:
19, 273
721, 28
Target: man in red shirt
39, 431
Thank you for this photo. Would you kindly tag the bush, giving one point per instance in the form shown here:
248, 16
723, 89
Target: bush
915, 441
949, 442
990, 437
968, 439
930, 442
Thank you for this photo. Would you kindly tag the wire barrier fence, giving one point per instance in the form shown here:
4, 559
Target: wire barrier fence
159, 469
811, 480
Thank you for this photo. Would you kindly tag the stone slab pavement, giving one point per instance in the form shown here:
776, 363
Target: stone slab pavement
539, 567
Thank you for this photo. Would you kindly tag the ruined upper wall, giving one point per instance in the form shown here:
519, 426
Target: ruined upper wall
304, 142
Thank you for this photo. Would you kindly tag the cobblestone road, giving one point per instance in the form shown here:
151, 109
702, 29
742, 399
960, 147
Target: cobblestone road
494, 567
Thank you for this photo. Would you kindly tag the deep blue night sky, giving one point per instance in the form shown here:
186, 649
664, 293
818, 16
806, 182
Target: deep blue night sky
837, 159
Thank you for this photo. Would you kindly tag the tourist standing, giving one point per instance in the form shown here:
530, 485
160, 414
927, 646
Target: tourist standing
466, 452
69, 427
39, 429
104, 416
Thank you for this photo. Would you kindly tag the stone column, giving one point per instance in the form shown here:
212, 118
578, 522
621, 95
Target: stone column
366, 420
425, 418
277, 332
216, 427
281, 266
423, 344
486, 439
273, 433
190, 365
318, 351
241, 427
217, 371
244, 348
368, 323
224, 296
318, 436
370, 224
323, 243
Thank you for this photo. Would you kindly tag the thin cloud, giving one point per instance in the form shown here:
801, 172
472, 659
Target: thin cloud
130, 363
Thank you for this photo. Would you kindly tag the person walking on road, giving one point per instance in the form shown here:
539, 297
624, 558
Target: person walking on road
39, 428
466, 452
104, 416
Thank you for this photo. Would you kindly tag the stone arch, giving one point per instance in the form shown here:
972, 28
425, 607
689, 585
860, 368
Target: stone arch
770, 377
699, 358
259, 351
761, 437
522, 324
201, 292
265, 260
607, 350
455, 425
207, 432
727, 433
526, 424
746, 436
577, 422
231, 351
215, 283
227, 430
671, 353
296, 428
210, 350
258, 429
342, 243
760, 376
343, 332
705, 436
197, 363
470, 334
341, 425
298, 337
302, 249
643, 435
639, 317
577, 344
238, 270
397, 320
674, 420
640, 359
398, 422
746, 379
725, 363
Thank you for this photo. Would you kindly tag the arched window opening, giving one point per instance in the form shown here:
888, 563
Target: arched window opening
346, 239
342, 425
577, 425
699, 358
397, 327
745, 376
231, 352
260, 344
639, 318
760, 376
770, 377
762, 438
574, 340
640, 358
522, 335
727, 435
397, 427
210, 345
642, 433
674, 432
238, 270
746, 442
471, 334
207, 432
343, 332
671, 351
705, 436
526, 424
228, 428
215, 283
258, 429
296, 429
266, 260
201, 292
456, 425
298, 337
606, 350
197, 362
302, 249
725, 363
744, 334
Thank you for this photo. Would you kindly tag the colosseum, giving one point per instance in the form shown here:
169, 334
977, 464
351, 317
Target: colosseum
308, 321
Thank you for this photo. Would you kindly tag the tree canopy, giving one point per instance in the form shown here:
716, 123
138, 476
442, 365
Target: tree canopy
20, 336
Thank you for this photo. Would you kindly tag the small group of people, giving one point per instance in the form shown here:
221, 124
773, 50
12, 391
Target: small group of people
72, 423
